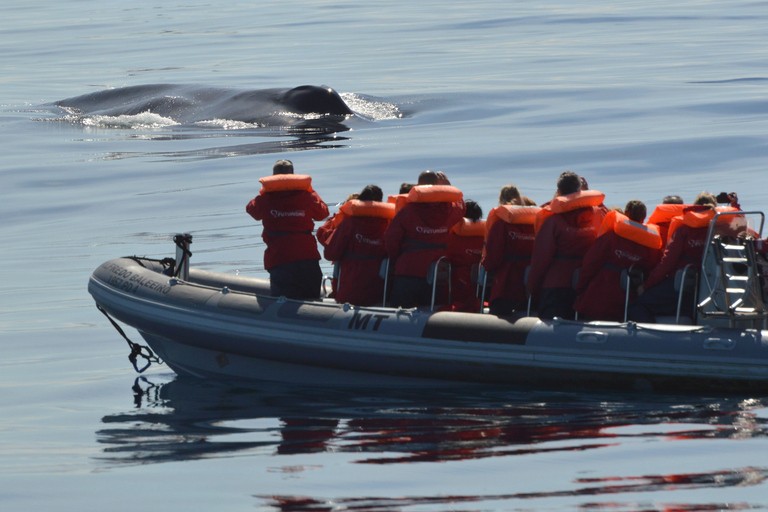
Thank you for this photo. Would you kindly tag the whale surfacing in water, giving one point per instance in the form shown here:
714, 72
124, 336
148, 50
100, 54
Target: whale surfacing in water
186, 104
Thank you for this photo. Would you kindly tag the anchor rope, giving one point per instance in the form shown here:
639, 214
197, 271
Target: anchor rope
137, 350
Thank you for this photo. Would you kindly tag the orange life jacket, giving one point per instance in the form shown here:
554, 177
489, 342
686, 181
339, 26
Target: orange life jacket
357, 208
699, 218
466, 227
644, 234
568, 203
280, 182
434, 194
666, 212
512, 214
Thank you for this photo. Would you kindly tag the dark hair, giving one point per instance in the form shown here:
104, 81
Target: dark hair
442, 179
282, 167
510, 194
428, 178
371, 193
474, 212
406, 187
636, 211
672, 200
568, 183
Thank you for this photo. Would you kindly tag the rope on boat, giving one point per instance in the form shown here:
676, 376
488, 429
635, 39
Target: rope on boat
136, 349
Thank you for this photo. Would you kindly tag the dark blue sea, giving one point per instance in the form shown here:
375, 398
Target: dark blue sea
644, 99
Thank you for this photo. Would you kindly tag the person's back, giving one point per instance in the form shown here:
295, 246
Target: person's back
508, 249
624, 243
358, 245
685, 246
465, 249
287, 208
417, 236
571, 224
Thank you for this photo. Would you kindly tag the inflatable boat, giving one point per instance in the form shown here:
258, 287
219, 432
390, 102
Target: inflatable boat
208, 324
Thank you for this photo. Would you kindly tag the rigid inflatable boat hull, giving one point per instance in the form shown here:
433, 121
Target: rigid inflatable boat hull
215, 325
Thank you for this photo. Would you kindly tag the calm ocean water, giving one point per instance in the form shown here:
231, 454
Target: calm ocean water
643, 98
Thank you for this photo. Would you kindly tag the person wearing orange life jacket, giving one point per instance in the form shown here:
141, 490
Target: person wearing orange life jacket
418, 235
623, 242
671, 206
358, 245
685, 245
567, 228
287, 208
508, 249
465, 249
324, 232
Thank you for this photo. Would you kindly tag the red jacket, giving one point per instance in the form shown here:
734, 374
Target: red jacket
685, 246
358, 245
418, 235
508, 252
464, 252
599, 287
288, 219
560, 246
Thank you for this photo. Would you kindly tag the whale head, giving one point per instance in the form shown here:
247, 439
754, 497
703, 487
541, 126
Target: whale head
312, 99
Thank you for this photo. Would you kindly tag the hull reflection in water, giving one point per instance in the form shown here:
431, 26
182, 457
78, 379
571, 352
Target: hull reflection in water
188, 418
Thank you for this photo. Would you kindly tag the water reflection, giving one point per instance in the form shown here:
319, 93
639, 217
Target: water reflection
186, 419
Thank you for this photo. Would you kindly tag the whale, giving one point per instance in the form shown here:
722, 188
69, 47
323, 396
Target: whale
188, 104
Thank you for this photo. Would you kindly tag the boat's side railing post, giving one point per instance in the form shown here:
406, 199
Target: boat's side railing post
482, 286
525, 283
681, 283
183, 253
627, 274
384, 274
433, 275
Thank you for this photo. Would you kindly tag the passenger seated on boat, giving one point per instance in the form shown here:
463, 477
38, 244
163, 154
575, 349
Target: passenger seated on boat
508, 249
287, 207
325, 231
418, 235
685, 246
567, 228
624, 242
465, 249
671, 207
358, 245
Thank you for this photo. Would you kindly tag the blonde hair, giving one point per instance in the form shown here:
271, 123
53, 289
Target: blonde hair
706, 199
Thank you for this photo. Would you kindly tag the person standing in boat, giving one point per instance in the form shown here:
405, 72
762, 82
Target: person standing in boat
465, 250
624, 242
418, 236
685, 246
508, 249
287, 208
357, 243
566, 228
